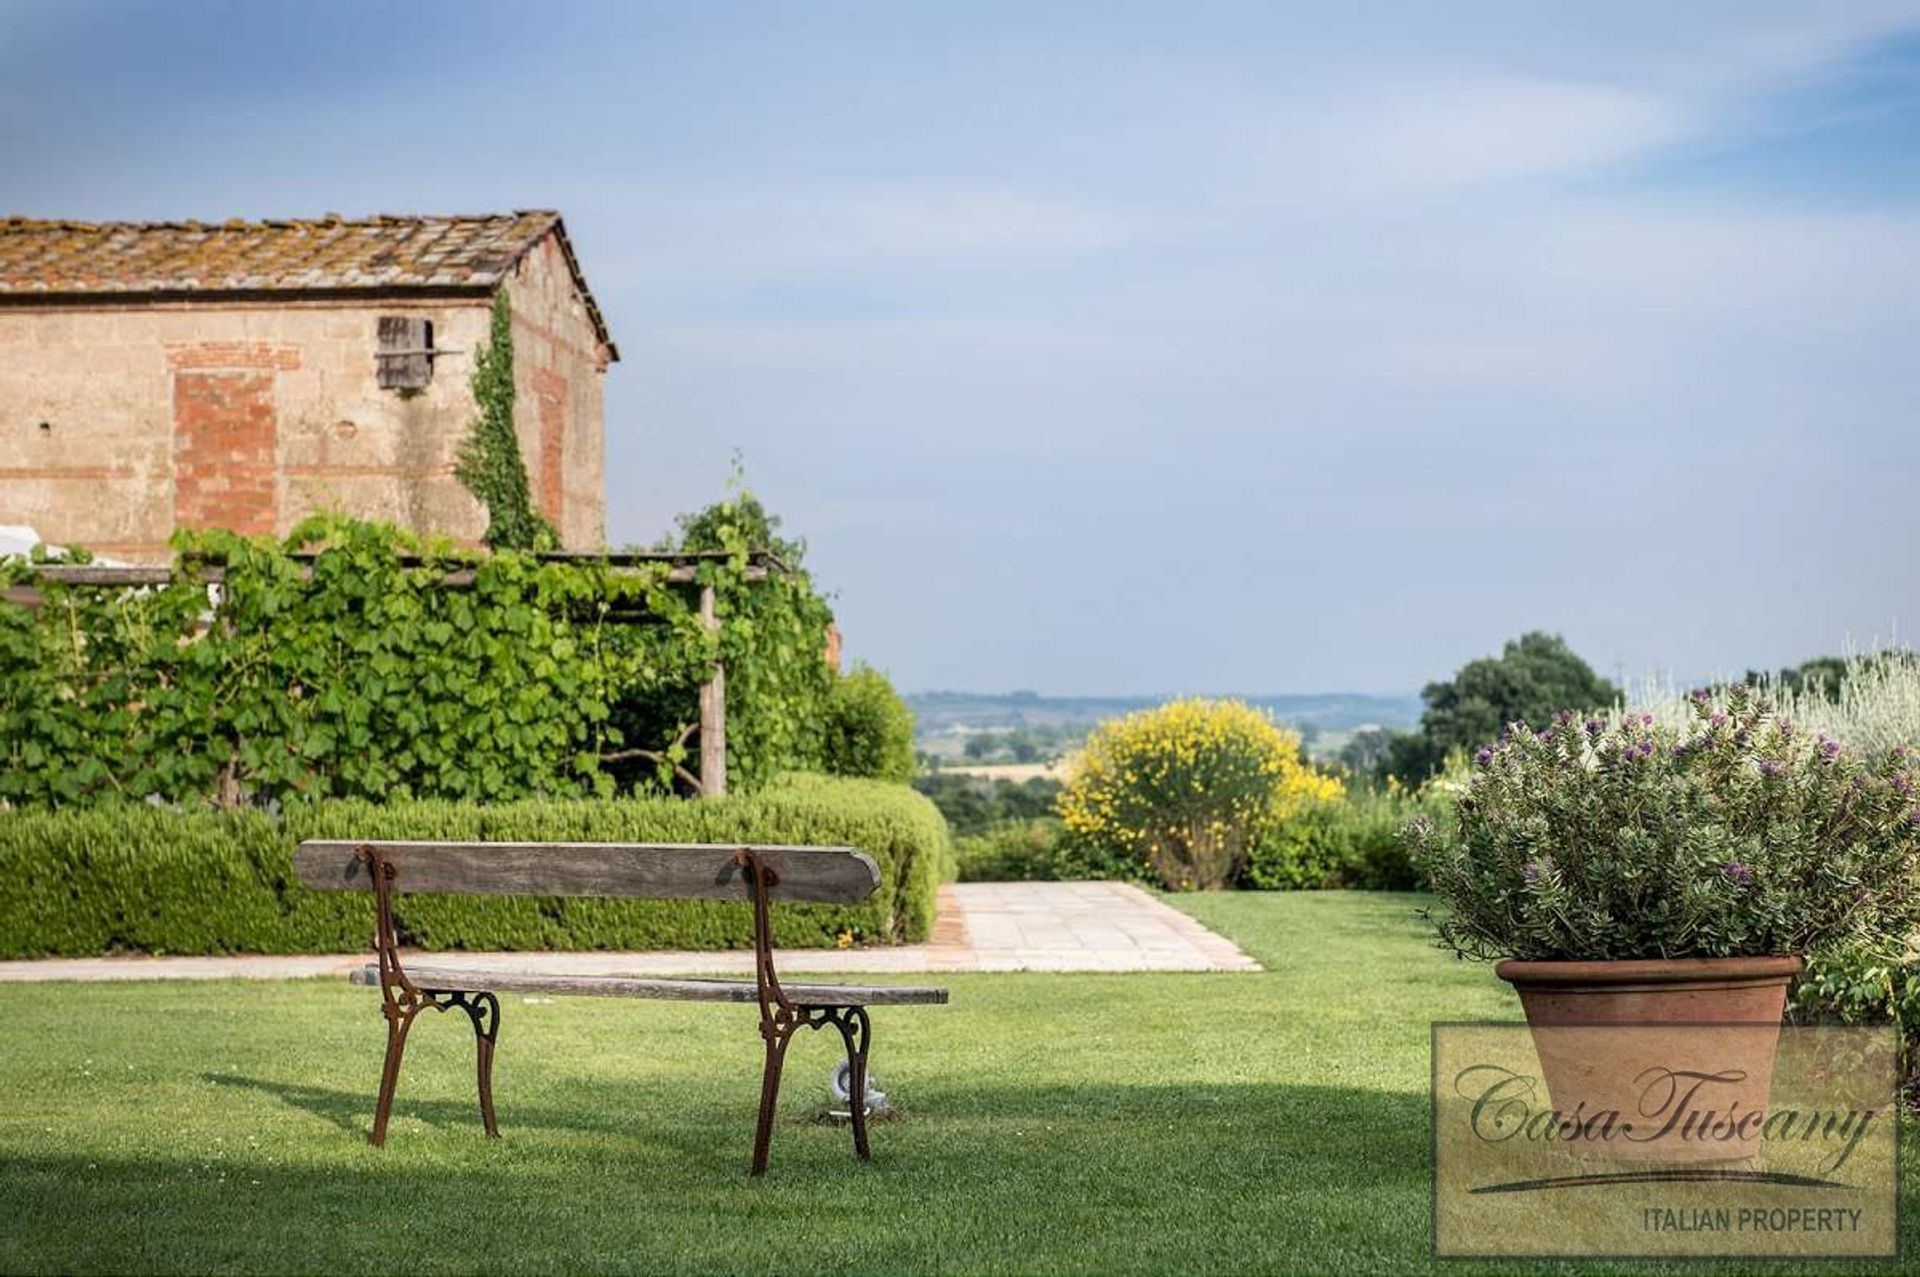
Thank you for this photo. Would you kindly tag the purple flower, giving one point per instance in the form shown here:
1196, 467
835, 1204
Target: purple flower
1646, 720
1915, 817
1903, 783
1738, 874
1768, 767
1485, 755
1546, 737
1564, 717
1718, 719
1786, 730
1830, 748
1595, 726
1700, 695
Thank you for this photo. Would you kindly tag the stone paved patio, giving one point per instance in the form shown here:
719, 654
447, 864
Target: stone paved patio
1012, 926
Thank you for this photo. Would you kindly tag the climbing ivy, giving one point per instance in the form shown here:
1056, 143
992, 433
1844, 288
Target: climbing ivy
772, 640
489, 463
356, 660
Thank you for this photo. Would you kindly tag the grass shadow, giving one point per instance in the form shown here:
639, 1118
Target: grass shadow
352, 1111
1103, 1177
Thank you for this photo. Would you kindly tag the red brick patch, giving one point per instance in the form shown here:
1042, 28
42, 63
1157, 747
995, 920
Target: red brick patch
224, 451
550, 484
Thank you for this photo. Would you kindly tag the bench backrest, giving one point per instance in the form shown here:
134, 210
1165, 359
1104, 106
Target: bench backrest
659, 871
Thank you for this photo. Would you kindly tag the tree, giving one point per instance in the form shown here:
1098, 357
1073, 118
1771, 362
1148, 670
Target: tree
1534, 677
488, 463
1367, 750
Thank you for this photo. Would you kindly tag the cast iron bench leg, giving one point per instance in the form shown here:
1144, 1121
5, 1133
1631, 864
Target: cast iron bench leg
778, 1030
399, 1024
482, 1008
856, 1030
778, 1037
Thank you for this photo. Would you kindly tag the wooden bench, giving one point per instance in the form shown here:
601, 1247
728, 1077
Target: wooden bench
759, 874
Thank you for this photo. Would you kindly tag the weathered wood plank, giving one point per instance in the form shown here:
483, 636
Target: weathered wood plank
713, 710
403, 361
453, 979
659, 871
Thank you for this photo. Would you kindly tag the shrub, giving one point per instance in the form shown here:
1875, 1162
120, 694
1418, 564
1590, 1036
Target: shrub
1870, 700
1354, 843
1039, 850
868, 729
1868, 983
1188, 788
1739, 836
1018, 851
135, 878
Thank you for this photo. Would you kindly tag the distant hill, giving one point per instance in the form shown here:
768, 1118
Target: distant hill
945, 716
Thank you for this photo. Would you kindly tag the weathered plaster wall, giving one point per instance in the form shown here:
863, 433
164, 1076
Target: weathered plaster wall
558, 364
120, 422
103, 409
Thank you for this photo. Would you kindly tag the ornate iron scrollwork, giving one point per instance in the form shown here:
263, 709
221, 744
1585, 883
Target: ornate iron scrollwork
781, 1018
402, 1001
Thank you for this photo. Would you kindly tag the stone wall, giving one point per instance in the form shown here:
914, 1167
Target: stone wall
557, 405
119, 422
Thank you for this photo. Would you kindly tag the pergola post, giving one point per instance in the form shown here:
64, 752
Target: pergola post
713, 710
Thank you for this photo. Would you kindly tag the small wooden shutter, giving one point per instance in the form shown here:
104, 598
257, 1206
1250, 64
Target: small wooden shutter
405, 358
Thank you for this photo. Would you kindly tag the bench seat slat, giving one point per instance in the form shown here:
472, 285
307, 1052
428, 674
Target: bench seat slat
453, 979
660, 871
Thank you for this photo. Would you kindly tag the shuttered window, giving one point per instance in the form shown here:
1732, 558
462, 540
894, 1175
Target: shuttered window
405, 356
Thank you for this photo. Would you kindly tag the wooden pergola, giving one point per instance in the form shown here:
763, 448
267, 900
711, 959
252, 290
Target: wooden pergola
682, 569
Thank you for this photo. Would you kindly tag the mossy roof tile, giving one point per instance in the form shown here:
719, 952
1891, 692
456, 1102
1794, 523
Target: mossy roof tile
47, 259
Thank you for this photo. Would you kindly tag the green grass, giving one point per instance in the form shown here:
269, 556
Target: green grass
1056, 1123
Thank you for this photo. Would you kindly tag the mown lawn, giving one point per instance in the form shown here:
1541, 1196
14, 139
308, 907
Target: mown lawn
1056, 1123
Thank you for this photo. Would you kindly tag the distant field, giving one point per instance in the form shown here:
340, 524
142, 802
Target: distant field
945, 721
1016, 772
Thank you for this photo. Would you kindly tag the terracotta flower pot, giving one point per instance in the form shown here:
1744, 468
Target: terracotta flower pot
1681, 1050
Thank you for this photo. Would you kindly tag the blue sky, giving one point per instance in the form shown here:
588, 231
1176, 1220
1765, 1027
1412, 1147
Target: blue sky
1138, 348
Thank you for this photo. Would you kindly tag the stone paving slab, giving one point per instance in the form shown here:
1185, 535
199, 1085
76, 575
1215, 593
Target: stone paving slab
1010, 926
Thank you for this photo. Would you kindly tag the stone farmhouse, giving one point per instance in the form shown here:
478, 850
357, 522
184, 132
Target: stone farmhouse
156, 375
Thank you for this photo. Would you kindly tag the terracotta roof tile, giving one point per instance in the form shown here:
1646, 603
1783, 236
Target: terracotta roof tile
386, 253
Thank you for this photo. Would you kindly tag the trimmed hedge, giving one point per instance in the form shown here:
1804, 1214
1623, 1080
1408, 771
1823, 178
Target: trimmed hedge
144, 879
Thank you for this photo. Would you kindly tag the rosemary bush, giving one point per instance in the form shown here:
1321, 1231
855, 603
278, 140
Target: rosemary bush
1871, 701
1735, 834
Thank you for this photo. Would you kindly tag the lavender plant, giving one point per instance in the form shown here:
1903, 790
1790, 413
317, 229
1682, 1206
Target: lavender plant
1736, 833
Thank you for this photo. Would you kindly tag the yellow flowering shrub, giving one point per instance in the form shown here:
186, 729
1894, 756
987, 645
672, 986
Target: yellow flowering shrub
1188, 788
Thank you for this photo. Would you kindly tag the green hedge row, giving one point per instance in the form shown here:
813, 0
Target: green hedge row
143, 879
